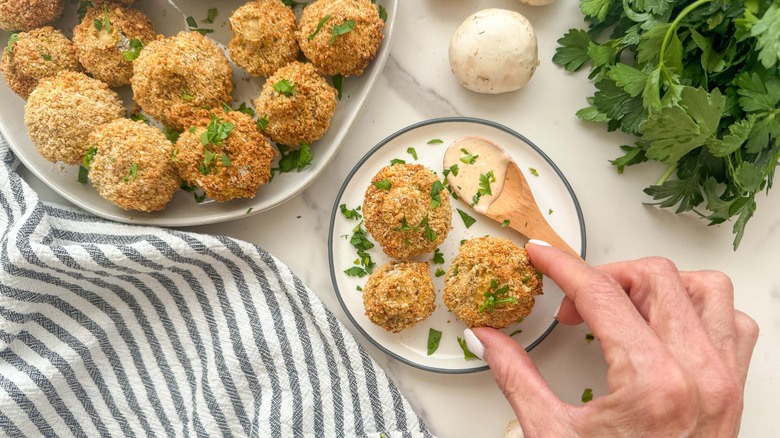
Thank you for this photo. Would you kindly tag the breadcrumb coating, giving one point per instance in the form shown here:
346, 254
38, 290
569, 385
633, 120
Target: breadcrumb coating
485, 266
347, 54
62, 111
132, 167
39, 53
399, 294
173, 78
264, 37
24, 15
239, 164
100, 51
303, 115
406, 202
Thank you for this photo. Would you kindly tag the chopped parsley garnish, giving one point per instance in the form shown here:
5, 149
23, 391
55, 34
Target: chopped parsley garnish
226, 160
187, 97
589, 338
82, 9
216, 131
484, 187
262, 122
361, 243
452, 169
505, 223
350, 214
382, 13
405, 227
103, 23
293, 159
341, 29
358, 288
245, 109
436, 190
395, 161
293, 3
174, 158
193, 25
440, 272
428, 232
319, 26
455, 271
46, 57
383, 185
132, 54
82, 176
516, 332
467, 157
587, 395
338, 83
434, 336
250, 210
434, 141
412, 152
285, 87
467, 220
211, 14
141, 117
533, 171
438, 257
133, 172
467, 354
11, 40
87, 160
226, 108
356, 271
492, 298
550, 211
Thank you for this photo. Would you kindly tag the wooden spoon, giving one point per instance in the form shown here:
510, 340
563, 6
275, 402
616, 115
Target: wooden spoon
510, 196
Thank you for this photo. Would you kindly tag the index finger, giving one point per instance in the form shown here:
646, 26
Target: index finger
599, 299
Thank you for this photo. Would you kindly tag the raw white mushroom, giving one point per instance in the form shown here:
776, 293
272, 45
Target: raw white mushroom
536, 2
513, 430
494, 51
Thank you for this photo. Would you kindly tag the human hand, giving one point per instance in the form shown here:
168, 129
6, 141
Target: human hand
678, 352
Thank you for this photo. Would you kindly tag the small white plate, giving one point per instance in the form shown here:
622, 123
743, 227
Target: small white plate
169, 18
551, 191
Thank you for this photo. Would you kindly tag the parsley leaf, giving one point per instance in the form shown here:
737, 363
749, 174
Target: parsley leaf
286, 88
467, 354
467, 220
350, 214
383, 185
434, 336
319, 26
341, 29
438, 257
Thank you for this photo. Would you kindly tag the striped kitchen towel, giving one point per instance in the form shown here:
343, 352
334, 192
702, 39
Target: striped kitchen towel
116, 330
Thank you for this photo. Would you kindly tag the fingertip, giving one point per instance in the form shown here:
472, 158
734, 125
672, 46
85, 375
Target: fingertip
567, 313
473, 343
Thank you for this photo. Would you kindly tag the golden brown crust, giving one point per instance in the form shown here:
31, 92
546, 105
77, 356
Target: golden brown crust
63, 110
132, 167
24, 15
399, 294
39, 53
351, 52
173, 78
100, 51
303, 116
264, 37
480, 262
409, 198
248, 153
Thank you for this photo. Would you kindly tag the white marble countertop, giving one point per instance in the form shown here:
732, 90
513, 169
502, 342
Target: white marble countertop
417, 85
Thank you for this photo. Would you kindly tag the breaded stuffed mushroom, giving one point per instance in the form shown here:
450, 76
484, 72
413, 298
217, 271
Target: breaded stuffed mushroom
407, 210
24, 15
109, 38
175, 77
124, 2
399, 294
131, 165
34, 55
62, 111
340, 36
264, 37
298, 104
225, 155
491, 282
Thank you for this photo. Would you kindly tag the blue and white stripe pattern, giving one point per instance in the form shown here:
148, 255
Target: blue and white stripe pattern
116, 330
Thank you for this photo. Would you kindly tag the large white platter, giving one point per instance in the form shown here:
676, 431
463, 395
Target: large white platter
551, 191
169, 17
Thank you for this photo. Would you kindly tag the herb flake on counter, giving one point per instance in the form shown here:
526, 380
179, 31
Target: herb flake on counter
438, 257
341, 29
467, 354
589, 338
383, 185
350, 214
319, 27
412, 152
587, 395
467, 220
698, 84
434, 337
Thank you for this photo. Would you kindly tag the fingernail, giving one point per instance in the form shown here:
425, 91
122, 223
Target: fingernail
539, 242
557, 310
474, 344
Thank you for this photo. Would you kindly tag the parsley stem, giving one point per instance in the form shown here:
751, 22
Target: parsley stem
667, 174
675, 24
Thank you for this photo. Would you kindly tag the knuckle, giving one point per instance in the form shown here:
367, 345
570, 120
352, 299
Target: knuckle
724, 399
658, 265
717, 280
746, 325
674, 400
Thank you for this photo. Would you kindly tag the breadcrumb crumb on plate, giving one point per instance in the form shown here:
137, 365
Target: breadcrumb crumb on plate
170, 18
551, 191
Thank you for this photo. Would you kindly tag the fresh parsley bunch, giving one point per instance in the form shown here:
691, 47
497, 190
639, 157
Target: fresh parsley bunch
697, 82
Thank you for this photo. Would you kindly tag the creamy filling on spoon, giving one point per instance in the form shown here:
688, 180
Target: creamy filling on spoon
481, 169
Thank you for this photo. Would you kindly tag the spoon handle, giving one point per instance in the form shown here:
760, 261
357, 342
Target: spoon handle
516, 203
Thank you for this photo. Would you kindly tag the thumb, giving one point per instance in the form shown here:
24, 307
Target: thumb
539, 410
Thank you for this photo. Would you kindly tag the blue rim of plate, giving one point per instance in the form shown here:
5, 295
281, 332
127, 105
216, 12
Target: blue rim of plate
379, 146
